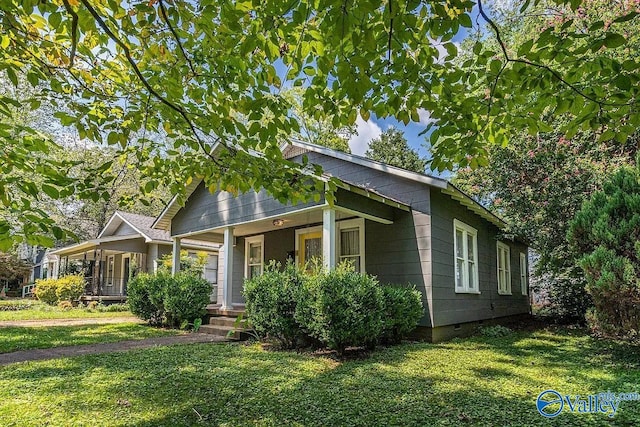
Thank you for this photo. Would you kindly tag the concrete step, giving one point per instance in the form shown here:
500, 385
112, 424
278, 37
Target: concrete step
225, 331
222, 320
215, 310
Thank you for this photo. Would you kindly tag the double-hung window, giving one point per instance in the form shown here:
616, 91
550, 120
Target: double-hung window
504, 269
254, 256
351, 243
523, 273
465, 244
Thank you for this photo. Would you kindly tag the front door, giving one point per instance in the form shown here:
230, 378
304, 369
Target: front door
310, 247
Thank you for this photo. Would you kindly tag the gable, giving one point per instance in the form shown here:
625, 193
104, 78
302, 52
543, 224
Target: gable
123, 229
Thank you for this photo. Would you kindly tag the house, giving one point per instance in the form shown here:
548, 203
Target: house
127, 244
400, 226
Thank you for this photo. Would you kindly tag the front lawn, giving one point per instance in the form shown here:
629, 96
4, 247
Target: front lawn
14, 338
36, 310
476, 382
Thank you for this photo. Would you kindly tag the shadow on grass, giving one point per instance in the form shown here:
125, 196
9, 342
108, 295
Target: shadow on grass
26, 338
448, 384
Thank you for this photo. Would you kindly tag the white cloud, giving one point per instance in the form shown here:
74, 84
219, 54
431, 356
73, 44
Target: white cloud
425, 116
365, 132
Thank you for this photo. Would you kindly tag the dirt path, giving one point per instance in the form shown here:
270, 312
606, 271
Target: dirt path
81, 350
69, 322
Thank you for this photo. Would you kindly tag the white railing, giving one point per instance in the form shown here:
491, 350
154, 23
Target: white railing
27, 290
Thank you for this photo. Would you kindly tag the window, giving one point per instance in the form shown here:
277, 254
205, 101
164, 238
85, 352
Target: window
465, 244
254, 256
504, 269
351, 243
110, 269
211, 269
523, 273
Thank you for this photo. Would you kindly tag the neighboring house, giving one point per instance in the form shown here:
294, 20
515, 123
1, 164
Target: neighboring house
401, 226
126, 245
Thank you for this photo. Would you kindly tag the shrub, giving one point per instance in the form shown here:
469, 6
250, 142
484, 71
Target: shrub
403, 311
496, 331
70, 288
65, 305
342, 308
185, 298
271, 301
46, 291
605, 235
145, 295
112, 308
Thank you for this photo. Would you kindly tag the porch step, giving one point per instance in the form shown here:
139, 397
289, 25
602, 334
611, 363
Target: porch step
215, 310
222, 320
225, 331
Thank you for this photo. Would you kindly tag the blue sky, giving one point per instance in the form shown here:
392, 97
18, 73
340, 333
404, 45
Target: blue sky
374, 126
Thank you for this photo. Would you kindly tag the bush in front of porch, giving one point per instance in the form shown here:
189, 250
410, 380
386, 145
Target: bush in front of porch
339, 308
172, 300
53, 291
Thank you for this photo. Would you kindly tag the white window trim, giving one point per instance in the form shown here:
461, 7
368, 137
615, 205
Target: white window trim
349, 223
352, 223
110, 279
468, 230
524, 288
505, 247
299, 232
247, 242
127, 255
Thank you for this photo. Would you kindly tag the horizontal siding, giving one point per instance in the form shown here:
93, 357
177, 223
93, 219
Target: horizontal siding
124, 229
397, 254
451, 308
204, 210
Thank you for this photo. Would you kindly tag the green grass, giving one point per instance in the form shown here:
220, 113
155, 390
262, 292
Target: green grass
41, 311
476, 382
14, 339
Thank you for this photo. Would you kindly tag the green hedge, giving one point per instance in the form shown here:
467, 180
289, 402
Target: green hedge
271, 300
403, 311
52, 291
162, 298
340, 308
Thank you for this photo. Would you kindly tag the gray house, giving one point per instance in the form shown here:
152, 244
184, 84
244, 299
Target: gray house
400, 226
126, 245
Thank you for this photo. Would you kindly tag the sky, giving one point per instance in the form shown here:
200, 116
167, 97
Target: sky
372, 128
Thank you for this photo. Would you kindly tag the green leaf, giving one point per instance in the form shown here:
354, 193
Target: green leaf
50, 191
614, 40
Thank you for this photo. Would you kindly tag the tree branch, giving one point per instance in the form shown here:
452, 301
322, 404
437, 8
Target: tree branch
163, 11
550, 70
74, 31
146, 84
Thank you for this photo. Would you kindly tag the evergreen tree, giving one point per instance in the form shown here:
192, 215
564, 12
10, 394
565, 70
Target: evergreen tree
392, 148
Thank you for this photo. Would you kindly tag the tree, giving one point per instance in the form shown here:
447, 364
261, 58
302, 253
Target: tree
317, 127
539, 181
12, 268
605, 236
210, 75
392, 148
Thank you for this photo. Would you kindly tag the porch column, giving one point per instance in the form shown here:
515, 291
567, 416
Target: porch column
175, 265
227, 271
329, 238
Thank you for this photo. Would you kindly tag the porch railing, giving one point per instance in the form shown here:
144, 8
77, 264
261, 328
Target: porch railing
115, 286
27, 290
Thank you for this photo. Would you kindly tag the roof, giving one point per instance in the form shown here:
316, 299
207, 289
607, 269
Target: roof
141, 224
295, 147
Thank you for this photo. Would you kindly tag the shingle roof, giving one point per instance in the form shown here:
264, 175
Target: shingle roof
144, 225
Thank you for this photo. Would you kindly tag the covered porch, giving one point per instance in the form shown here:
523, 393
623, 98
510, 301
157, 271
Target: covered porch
106, 268
323, 233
